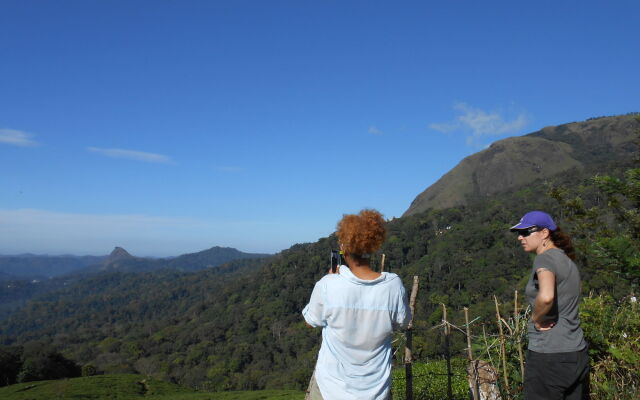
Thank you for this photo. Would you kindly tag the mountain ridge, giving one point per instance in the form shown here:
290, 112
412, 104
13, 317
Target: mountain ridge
121, 260
29, 266
512, 162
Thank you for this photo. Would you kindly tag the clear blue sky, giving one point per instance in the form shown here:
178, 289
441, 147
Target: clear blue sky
169, 127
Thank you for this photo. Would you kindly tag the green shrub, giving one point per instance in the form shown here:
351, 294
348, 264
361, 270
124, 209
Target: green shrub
613, 332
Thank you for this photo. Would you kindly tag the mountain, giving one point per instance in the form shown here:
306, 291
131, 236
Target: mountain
516, 161
29, 266
118, 254
18, 290
209, 258
121, 260
41, 267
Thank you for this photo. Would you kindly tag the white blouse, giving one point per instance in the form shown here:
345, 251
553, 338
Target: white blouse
357, 318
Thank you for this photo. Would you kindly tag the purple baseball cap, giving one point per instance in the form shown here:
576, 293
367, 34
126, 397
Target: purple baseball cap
535, 218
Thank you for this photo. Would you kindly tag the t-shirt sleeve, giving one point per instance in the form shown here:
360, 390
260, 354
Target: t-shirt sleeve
403, 313
313, 313
545, 261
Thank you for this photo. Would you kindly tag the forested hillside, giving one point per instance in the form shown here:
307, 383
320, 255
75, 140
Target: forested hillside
28, 266
243, 330
17, 289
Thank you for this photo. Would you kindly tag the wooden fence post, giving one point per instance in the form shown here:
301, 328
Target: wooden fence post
474, 372
447, 354
408, 350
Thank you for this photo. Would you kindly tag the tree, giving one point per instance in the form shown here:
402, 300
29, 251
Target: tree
10, 364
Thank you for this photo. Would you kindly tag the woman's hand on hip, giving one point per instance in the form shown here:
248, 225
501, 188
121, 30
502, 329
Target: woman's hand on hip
544, 325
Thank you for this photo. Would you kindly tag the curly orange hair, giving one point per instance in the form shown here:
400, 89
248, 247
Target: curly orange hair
363, 233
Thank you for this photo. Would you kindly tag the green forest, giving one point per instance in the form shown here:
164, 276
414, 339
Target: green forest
239, 327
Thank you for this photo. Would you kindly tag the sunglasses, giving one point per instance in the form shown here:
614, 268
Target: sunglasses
527, 232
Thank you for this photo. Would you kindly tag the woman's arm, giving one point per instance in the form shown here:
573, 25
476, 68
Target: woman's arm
313, 312
544, 299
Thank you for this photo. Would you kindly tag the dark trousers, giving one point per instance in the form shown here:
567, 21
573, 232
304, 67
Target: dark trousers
561, 376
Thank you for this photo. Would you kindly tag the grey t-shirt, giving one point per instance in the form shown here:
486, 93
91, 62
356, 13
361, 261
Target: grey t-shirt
566, 335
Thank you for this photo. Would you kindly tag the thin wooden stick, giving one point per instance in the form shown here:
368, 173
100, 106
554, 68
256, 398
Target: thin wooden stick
382, 263
447, 331
474, 374
503, 352
412, 299
408, 349
466, 321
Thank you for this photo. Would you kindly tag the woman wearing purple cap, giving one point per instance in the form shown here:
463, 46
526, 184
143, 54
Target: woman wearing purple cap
557, 359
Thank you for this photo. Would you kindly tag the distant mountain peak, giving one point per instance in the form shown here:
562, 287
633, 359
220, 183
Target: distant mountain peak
119, 253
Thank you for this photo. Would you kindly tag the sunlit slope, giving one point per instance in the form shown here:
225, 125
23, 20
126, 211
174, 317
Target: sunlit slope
515, 161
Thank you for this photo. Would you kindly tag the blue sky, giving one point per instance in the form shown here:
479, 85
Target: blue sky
169, 127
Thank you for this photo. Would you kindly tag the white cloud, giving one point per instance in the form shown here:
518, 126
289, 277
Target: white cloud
444, 127
16, 138
375, 131
132, 155
482, 123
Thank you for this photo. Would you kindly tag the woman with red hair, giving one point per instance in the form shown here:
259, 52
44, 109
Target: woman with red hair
358, 309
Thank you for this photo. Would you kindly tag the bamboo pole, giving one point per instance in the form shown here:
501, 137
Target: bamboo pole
503, 352
447, 331
408, 349
412, 299
472, 369
466, 321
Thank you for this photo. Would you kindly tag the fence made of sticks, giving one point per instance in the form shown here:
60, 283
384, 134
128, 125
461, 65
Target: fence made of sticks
494, 371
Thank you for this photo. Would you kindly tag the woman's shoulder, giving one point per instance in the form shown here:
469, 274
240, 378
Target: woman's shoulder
550, 259
390, 276
552, 254
328, 278
393, 279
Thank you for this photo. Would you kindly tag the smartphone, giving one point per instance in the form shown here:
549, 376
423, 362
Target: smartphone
336, 259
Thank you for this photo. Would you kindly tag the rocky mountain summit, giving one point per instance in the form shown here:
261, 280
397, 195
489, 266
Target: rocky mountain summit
118, 253
513, 162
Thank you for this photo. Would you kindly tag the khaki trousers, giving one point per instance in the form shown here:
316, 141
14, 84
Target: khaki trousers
313, 391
